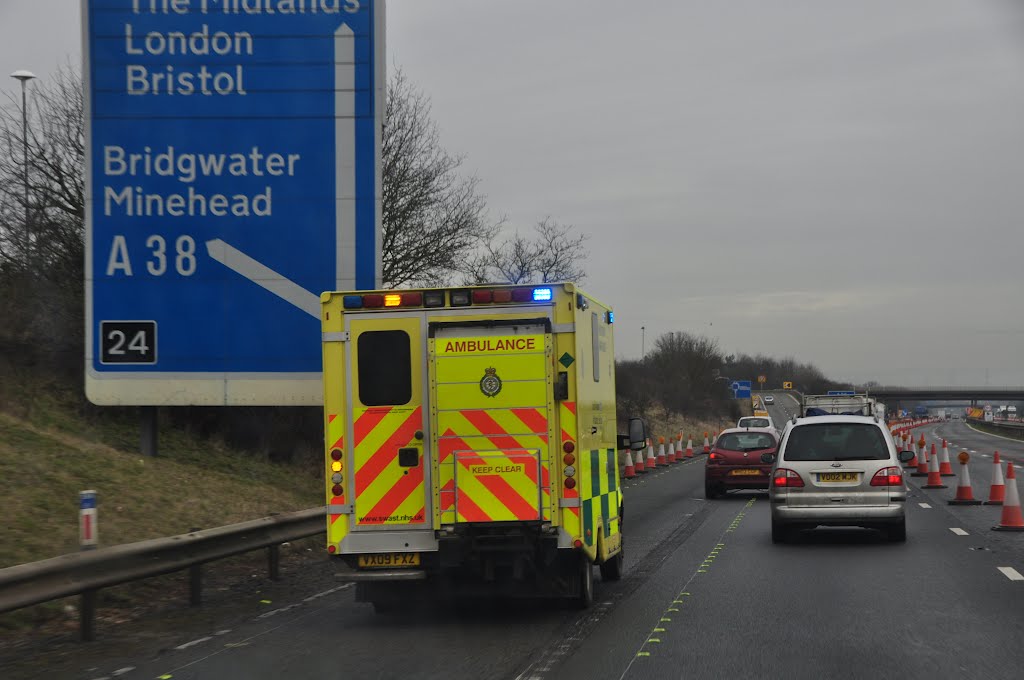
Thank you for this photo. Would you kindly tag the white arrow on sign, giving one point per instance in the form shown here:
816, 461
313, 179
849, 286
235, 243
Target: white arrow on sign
263, 276
344, 195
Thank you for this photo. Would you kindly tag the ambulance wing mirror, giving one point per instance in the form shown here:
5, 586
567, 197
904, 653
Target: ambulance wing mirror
637, 434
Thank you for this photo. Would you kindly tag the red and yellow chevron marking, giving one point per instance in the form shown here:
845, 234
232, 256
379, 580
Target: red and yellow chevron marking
567, 423
336, 438
386, 493
498, 475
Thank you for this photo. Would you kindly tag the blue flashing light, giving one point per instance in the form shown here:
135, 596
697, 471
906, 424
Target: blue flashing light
611, 317
542, 295
352, 302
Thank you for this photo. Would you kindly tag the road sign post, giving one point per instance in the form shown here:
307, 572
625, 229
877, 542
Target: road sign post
232, 175
88, 522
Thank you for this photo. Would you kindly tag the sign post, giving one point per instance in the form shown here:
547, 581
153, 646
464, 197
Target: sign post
232, 175
88, 528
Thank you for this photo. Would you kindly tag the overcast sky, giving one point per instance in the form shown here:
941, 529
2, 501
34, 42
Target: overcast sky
842, 182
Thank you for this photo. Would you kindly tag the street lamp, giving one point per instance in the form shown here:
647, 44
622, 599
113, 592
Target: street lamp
24, 77
643, 343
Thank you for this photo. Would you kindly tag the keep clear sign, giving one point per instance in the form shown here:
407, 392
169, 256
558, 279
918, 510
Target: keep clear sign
233, 174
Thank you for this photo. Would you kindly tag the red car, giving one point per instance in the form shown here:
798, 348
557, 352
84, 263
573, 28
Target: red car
735, 461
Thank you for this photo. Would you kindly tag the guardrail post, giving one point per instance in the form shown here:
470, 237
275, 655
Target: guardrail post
87, 615
274, 562
195, 580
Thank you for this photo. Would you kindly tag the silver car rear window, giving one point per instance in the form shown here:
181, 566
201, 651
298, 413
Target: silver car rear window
836, 441
754, 422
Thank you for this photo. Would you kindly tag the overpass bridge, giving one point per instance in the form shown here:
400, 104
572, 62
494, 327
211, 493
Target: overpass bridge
970, 394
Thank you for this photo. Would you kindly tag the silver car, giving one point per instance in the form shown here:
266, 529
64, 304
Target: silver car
838, 471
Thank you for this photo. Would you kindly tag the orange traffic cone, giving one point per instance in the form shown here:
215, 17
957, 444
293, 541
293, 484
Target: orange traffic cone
997, 492
707, 444
630, 471
945, 469
964, 492
922, 461
661, 451
639, 462
1013, 519
934, 478
671, 455
652, 462
908, 446
689, 447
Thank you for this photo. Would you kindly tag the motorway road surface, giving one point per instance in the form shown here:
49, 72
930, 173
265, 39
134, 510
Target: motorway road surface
707, 595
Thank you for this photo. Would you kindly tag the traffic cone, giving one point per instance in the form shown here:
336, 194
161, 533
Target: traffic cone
934, 478
671, 455
630, 471
652, 462
912, 463
639, 462
707, 444
689, 447
661, 451
945, 469
922, 462
997, 493
1013, 519
964, 492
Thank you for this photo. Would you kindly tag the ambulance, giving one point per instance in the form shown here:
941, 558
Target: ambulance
471, 442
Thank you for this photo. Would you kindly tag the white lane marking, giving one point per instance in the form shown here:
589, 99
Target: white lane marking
193, 643
1011, 573
122, 671
985, 455
971, 451
957, 531
997, 436
328, 592
924, 505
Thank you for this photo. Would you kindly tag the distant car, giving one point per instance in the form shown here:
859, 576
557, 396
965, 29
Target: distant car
769, 399
838, 471
735, 461
758, 422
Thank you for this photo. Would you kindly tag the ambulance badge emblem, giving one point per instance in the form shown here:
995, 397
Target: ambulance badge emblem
490, 384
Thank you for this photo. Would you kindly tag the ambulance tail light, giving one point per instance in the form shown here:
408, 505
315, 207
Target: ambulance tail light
392, 300
503, 295
482, 297
433, 298
570, 483
460, 298
353, 302
373, 301
522, 295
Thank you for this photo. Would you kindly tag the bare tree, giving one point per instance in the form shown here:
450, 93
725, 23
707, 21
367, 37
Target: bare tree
433, 217
555, 253
56, 191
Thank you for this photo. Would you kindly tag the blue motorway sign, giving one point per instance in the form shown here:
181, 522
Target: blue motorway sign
740, 389
233, 174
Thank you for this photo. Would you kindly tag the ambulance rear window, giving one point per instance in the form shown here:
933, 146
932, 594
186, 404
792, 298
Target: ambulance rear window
385, 368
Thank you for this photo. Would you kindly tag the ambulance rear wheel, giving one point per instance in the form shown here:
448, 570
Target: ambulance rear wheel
584, 596
613, 569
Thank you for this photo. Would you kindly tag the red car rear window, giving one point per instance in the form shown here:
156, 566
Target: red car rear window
745, 441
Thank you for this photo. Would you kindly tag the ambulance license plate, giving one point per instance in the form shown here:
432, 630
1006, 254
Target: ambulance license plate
744, 473
389, 560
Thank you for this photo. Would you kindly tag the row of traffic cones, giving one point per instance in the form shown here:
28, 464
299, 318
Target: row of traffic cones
1003, 491
673, 455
